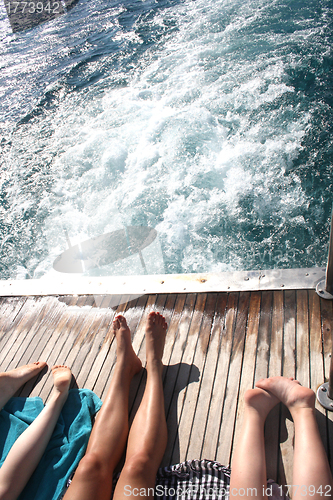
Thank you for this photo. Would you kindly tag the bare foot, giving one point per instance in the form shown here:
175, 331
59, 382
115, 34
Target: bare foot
261, 401
289, 392
62, 377
125, 352
155, 336
11, 381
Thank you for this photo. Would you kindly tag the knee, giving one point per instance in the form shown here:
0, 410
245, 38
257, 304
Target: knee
140, 465
91, 466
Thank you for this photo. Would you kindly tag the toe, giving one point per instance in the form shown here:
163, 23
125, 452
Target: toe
40, 364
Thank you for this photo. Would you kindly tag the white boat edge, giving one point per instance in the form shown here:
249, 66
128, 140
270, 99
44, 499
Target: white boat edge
70, 284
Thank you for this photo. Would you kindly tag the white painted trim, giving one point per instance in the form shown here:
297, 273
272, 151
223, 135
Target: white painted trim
64, 284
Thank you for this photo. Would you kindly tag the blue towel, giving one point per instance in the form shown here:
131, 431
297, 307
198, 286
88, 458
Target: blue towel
66, 447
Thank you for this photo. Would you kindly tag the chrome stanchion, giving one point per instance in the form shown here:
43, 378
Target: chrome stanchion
325, 290
325, 391
325, 287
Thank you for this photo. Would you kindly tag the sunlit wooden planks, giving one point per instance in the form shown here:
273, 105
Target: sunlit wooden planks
217, 346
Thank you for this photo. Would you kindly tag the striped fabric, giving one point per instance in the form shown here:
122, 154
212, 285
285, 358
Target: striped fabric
194, 479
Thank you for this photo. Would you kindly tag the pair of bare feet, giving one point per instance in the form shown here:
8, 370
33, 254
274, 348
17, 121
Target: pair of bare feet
11, 381
271, 391
155, 339
268, 392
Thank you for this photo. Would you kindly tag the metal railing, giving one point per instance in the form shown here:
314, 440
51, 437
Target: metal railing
325, 287
325, 290
325, 391
329, 271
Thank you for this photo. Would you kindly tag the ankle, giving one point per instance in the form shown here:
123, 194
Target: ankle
299, 412
154, 364
254, 414
59, 395
305, 405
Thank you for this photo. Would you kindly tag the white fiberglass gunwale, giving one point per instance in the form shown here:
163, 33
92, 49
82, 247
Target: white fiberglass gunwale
273, 279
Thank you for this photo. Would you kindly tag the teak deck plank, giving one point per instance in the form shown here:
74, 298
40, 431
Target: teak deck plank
288, 370
327, 320
171, 379
10, 308
139, 346
30, 335
211, 436
105, 374
182, 380
217, 346
207, 379
13, 336
249, 358
57, 341
317, 372
226, 431
195, 375
274, 368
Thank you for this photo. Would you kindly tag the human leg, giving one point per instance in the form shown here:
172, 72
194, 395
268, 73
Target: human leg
311, 470
93, 477
148, 434
11, 381
28, 449
248, 471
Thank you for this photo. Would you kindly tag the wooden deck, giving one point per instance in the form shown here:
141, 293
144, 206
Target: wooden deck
217, 346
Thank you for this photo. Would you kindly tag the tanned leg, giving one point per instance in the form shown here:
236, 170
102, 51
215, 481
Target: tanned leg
28, 449
311, 470
11, 381
93, 477
248, 470
148, 435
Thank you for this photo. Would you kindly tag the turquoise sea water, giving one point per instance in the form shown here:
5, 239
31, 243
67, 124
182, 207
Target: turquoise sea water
210, 121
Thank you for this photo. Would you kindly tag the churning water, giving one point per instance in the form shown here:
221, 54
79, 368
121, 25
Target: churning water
208, 120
